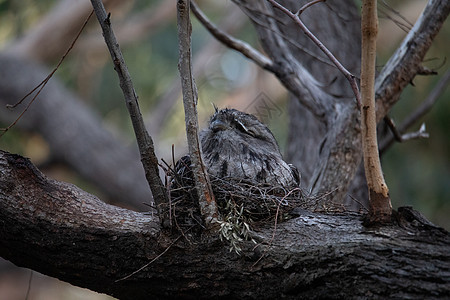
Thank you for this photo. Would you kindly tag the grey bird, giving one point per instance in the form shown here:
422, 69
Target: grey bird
237, 145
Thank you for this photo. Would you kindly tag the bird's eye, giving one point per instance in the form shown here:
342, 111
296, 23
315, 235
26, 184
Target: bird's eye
244, 128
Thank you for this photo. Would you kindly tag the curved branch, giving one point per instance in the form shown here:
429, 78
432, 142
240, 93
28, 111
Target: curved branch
59, 230
244, 48
296, 18
81, 141
292, 74
418, 113
406, 62
64, 232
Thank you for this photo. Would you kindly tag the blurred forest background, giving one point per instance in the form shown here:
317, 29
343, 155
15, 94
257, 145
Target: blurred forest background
417, 172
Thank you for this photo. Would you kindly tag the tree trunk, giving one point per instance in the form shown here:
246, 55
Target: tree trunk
59, 230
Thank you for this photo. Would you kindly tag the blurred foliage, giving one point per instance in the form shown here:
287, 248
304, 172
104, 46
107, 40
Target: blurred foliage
417, 172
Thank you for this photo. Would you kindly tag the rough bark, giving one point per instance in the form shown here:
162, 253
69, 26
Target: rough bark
143, 139
206, 200
75, 134
380, 207
407, 60
59, 230
324, 140
323, 126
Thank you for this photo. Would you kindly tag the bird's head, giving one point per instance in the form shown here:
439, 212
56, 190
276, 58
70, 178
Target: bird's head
236, 123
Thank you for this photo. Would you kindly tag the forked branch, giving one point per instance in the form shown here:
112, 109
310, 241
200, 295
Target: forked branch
296, 18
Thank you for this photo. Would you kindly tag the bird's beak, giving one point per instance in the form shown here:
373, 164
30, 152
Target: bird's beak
218, 125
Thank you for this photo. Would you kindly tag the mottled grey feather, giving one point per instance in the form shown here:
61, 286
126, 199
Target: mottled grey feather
236, 144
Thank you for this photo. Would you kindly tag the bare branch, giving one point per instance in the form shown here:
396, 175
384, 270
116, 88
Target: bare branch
43, 83
145, 142
380, 208
350, 77
61, 231
306, 6
421, 133
426, 105
207, 203
421, 111
231, 23
233, 43
405, 63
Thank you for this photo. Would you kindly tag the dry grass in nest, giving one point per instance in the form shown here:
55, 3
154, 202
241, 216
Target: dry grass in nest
261, 203
243, 205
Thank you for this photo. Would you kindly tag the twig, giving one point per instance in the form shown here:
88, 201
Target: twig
420, 134
41, 85
422, 110
349, 76
233, 43
275, 225
150, 262
306, 6
406, 26
145, 142
401, 68
207, 203
359, 202
390, 123
244, 48
29, 285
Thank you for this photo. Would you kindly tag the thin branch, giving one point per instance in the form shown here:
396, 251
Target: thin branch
244, 48
43, 83
390, 123
349, 76
386, 9
421, 133
145, 142
380, 208
150, 262
306, 6
426, 105
233, 43
207, 203
421, 111
404, 64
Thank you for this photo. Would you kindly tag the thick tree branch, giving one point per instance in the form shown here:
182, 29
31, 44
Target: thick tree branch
59, 230
145, 142
406, 62
208, 206
47, 226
